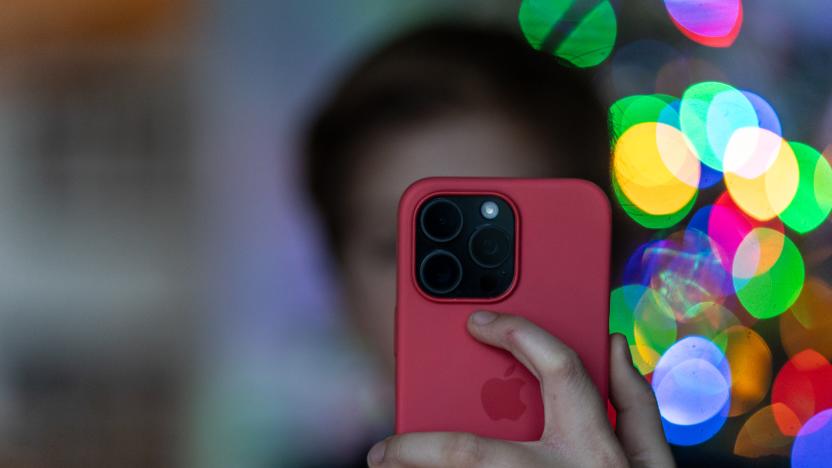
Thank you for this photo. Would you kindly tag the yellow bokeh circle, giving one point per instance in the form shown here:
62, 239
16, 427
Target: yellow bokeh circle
767, 195
656, 167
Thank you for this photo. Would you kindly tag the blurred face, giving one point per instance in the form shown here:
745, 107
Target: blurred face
475, 144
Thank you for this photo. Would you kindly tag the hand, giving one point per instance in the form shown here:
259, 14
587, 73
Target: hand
576, 433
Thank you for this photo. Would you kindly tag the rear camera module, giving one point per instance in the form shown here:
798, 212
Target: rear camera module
464, 246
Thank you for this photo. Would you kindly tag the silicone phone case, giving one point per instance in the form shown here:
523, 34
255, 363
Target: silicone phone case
446, 380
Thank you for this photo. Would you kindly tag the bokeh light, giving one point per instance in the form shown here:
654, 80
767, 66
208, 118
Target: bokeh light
760, 436
813, 446
636, 270
686, 273
808, 324
656, 168
751, 151
709, 114
582, 32
824, 196
733, 266
646, 320
694, 434
692, 382
811, 204
727, 226
692, 392
773, 182
709, 177
758, 252
633, 110
768, 273
713, 23
710, 320
749, 357
648, 220
766, 115
729, 113
804, 385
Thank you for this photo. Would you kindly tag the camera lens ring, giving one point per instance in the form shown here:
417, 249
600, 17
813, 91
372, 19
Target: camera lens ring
472, 251
433, 204
453, 284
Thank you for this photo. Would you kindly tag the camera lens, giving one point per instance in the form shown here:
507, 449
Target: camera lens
440, 272
489, 246
441, 220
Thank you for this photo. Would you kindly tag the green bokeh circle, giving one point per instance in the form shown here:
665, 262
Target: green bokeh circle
811, 205
581, 32
770, 294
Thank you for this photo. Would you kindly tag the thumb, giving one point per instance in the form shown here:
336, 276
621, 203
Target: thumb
639, 427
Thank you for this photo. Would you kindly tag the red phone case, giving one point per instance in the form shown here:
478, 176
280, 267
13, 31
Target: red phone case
445, 379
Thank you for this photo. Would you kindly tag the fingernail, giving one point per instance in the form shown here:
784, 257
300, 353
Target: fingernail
483, 317
376, 455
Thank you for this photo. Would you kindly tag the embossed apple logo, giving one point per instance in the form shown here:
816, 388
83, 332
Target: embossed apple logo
501, 397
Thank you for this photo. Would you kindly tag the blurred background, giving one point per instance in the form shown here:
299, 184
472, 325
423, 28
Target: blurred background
166, 297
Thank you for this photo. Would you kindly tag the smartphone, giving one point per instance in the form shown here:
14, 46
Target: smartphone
539, 248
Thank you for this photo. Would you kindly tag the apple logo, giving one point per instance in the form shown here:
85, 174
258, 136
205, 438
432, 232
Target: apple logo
501, 397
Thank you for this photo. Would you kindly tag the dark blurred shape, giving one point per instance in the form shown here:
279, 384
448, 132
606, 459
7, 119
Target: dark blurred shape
448, 69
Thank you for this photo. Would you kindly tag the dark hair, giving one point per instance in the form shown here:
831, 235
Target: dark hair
442, 69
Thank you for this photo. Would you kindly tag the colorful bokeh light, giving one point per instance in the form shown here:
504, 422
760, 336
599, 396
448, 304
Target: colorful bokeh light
735, 136
749, 357
692, 383
633, 110
808, 325
697, 298
813, 446
727, 226
773, 180
751, 151
656, 168
646, 320
766, 115
648, 220
713, 23
768, 273
581, 32
804, 386
710, 320
811, 204
685, 271
655, 172
709, 114
760, 436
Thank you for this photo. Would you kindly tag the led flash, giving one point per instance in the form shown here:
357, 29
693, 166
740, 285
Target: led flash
489, 210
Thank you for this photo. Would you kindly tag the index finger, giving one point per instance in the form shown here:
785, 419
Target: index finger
571, 403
